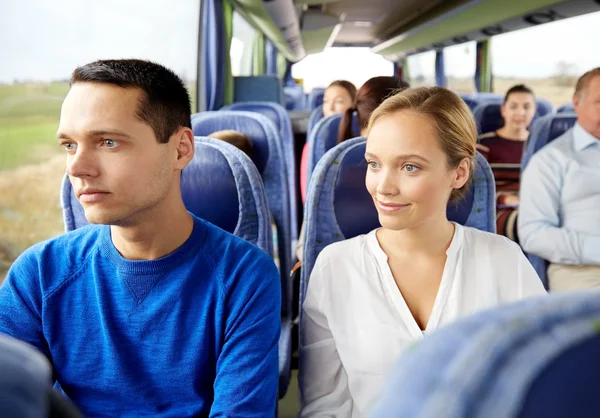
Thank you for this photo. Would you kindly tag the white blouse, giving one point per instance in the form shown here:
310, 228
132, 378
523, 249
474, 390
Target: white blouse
356, 324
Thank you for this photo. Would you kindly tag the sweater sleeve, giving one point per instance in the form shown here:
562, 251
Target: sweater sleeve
21, 303
247, 378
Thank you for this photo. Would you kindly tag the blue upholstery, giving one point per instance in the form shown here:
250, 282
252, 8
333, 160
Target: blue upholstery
489, 119
324, 137
267, 154
315, 97
296, 97
279, 116
339, 206
543, 131
315, 116
530, 359
25, 380
260, 88
471, 101
566, 108
220, 185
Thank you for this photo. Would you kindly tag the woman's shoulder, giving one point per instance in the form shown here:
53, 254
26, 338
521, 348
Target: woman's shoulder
477, 240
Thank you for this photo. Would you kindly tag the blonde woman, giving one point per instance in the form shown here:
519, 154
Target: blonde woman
372, 296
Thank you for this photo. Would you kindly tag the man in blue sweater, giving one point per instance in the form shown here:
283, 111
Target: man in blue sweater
152, 311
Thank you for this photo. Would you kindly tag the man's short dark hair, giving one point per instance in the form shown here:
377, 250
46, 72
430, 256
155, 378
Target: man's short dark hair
165, 104
519, 88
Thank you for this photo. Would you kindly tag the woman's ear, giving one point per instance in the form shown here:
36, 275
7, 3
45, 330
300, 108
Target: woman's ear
461, 173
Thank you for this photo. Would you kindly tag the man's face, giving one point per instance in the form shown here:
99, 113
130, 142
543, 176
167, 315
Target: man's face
117, 167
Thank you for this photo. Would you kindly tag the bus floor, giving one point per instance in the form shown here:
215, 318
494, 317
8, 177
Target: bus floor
288, 406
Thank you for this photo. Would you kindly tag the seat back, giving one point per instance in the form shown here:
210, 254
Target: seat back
315, 116
324, 137
25, 380
339, 206
259, 88
489, 118
279, 116
534, 358
268, 156
543, 131
220, 185
471, 101
294, 97
566, 108
315, 97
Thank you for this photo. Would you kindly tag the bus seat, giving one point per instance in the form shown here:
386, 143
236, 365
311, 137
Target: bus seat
339, 206
324, 137
25, 380
469, 100
279, 116
315, 97
489, 119
295, 95
543, 131
566, 108
537, 357
259, 88
268, 156
315, 116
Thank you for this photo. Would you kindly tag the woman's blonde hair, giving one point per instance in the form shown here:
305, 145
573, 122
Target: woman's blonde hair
450, 115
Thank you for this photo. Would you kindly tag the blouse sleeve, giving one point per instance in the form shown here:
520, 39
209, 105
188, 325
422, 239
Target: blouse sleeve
322, 379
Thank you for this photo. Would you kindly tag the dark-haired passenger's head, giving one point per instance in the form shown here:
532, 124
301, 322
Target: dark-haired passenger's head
519, 108
339, 96
126, 127
235, 138
369, 96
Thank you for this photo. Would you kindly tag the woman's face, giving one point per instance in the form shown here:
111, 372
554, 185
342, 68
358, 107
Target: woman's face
518, 111
336, 100
408, 175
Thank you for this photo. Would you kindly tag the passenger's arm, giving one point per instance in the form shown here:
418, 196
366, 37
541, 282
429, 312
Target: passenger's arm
322, 380
247, 379
539, 223
21, 303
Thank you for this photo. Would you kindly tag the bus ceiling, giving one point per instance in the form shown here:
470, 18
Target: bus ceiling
397, 28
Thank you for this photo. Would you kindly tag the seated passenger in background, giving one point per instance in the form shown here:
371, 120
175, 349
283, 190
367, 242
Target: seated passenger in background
369, 96
151, 311
235, 138
370, 297
339, 96
559, 216
505, 146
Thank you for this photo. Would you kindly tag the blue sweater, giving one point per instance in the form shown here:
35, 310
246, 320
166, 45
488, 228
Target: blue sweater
194, 333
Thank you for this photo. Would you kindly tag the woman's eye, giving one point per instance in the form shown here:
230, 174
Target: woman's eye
372, 165
411, 168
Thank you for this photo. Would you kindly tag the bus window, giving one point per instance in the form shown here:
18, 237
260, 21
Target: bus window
41, 50
460, 63
356, 65
547, 58
421, 69
241, 46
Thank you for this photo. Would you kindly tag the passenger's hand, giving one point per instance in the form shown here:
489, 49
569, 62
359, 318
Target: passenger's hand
510, 199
